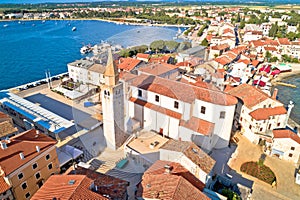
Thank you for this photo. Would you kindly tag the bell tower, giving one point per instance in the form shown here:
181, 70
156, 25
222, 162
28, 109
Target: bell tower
112, 96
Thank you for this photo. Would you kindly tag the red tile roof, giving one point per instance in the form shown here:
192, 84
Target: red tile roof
249, 94
255, 63
156, 108
270, 48
128, 64
157, 68
266, 113
284, 41
220, 47
198, 125
60, 187
26, 143
247, 62
223, 60
168, 186
162, 59
3, 185
285, 133
191, 151
106, 185
181, 91
143, 55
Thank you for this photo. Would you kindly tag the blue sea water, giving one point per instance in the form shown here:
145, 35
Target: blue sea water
29, 48
286, 94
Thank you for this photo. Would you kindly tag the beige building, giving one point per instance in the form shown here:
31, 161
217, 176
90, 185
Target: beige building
27, 161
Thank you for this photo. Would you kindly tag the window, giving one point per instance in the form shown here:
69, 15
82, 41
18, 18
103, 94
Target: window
278, 124
269, 105
20, 176
176, 104
27, 195
290, 155
250, 127
265, 106
293, 148
222, 115
47, 157
34, 166
37, 175
241, 119
40, 183
50, 166
260, 129
24, 186
156, 98
140, 93
203, 109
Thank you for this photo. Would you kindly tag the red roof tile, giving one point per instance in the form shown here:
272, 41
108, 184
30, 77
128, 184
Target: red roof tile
106, 185
255, 63
220, 47
143, 55
270, 48
128, 64
157, 68
3, 185
249, 94
168, 186
26, 143
67, 187
223, 60
285, 133
247, 62
191, 151
198, 125
162, 59
266, 113
284, 41
181, 91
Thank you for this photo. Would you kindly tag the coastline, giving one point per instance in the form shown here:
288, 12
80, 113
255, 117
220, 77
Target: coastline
295, 72
99, 19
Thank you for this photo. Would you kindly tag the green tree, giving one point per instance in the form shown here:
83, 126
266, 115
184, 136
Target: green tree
273, 30
204, 42
268, 55
171, 45
157, 45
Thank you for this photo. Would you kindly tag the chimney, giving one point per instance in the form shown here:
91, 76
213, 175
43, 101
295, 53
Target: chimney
168, 168
21, 156
274, 95
37, 149
3, 145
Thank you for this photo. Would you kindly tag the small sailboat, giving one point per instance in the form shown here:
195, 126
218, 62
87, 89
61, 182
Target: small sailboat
5, 25
74, 28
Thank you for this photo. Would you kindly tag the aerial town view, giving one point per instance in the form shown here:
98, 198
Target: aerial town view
153, 100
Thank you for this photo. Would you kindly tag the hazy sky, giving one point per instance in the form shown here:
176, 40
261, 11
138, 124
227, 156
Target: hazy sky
44, 1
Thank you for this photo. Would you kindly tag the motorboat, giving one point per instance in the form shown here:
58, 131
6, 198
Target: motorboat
74, 28
5, 25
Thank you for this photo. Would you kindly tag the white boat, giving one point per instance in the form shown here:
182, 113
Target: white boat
74, 28
86, 49
5, 25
